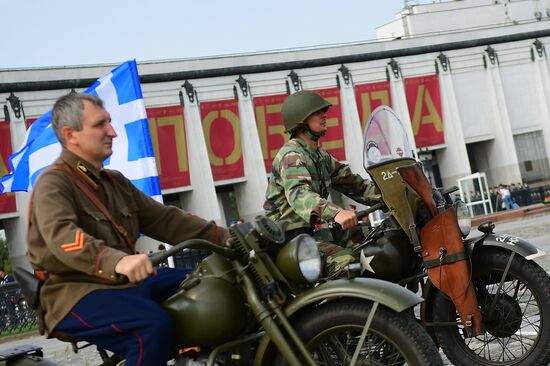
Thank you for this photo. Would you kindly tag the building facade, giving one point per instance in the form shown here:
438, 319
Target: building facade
469, 78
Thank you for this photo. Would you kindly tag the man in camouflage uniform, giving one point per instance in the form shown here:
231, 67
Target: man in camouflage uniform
302, 173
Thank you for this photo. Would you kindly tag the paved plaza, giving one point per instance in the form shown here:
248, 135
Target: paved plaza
534, 228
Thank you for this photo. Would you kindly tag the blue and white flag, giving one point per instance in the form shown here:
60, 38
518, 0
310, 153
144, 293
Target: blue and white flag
133, 154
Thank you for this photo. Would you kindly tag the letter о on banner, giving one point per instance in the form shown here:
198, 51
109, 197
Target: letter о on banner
167, 128
222, 132
424, 102
369, 96
7, 200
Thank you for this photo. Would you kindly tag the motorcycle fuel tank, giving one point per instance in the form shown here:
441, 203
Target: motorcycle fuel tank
209, 307
390, 257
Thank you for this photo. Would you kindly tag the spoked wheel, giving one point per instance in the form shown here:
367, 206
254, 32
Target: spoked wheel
332, 332
516, 317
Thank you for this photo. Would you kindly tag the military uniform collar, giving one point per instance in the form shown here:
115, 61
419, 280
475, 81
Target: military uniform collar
304, 144
86, 171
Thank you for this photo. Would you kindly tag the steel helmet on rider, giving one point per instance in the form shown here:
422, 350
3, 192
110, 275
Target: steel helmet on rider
299, 106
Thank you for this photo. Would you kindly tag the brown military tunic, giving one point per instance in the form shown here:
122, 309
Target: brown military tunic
70, 238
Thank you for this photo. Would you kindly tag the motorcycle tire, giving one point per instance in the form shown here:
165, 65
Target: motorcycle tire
518, 332
331, 332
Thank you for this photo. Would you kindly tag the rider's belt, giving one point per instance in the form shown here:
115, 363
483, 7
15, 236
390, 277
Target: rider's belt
43, 276
448, 258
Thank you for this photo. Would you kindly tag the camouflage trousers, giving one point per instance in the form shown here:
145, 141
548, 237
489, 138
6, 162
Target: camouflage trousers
337, 248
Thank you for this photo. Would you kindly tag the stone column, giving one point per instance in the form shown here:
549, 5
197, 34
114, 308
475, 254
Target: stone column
501, 151
202, 200
399, 100
542, 90
453, 160
16, 227
351, 123
251, 193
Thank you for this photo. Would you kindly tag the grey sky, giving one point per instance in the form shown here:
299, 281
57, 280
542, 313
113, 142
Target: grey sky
39, 33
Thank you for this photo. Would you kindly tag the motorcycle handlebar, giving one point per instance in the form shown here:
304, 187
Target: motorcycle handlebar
359, 214
159, 257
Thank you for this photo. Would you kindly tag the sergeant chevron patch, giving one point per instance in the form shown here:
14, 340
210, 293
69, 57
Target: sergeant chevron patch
77, 245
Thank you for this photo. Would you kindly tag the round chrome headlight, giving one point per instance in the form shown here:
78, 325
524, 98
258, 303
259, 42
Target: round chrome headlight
463, 218
299, 260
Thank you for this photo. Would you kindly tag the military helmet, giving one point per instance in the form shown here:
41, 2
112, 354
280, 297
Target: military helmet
299, 106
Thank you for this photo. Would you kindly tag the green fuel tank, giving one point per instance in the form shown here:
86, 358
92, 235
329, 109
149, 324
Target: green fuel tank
209, 307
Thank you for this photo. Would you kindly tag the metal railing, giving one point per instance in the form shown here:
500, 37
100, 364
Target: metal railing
16, 316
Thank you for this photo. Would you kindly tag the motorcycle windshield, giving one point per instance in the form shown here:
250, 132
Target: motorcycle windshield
385, 138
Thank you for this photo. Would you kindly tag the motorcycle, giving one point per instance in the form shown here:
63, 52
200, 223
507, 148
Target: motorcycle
255, 301
487, 302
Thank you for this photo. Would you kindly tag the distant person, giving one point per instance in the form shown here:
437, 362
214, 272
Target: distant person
506, 197
5, 277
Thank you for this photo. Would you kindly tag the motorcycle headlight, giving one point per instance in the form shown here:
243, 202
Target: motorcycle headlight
463, 217
299, 260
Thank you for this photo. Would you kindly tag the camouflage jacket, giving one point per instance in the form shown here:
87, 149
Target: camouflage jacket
299, 183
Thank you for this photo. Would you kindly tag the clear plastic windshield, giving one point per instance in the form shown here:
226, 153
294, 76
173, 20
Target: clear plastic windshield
385, 138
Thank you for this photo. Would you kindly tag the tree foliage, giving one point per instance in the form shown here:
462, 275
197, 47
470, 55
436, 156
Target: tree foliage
4, 255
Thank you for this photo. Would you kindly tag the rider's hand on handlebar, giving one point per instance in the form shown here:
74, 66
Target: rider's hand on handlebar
346, 219
136, 267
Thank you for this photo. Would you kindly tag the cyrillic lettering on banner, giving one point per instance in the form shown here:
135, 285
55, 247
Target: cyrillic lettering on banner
270, 126
167, 129
369, 96
333, 141
7, 200
424, 102
222, 132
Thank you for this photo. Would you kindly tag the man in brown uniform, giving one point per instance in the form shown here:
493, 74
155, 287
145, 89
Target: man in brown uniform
84, 222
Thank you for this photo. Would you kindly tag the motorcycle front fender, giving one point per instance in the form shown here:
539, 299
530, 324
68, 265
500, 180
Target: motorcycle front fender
505, 241
386, 293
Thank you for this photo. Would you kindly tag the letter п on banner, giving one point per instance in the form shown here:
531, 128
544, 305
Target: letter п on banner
167, 128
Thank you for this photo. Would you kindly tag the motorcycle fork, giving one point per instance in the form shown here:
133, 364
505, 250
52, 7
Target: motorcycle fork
265, 318
363, 334
497, 295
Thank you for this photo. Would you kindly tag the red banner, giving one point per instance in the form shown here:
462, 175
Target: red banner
270, 126
167, 128
333, 141
29, 122
7, 200
222, 131
424, 102
370, 96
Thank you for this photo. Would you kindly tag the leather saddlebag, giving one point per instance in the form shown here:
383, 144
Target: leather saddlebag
448, 267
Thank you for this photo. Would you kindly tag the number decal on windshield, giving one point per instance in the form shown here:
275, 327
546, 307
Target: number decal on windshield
388, 175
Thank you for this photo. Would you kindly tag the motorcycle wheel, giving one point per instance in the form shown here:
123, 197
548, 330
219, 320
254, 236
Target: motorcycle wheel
518, 331
332, 331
